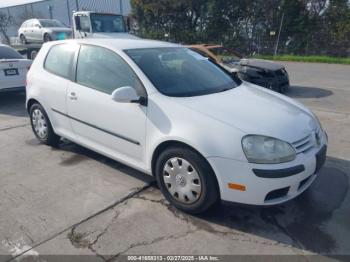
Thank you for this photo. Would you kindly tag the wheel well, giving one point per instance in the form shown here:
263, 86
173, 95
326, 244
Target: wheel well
30, 103
167, 144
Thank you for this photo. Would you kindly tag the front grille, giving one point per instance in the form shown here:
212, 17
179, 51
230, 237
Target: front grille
307, 143
277, 194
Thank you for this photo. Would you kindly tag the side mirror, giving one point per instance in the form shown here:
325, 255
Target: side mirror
127, 94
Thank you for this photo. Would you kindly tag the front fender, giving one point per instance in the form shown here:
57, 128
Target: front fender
210, 137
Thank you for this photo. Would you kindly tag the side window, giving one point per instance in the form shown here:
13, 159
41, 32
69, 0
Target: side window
35, 23
59, 58
104, 70
84, 22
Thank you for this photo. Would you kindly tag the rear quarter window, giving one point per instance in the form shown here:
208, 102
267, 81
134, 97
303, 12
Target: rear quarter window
59, 60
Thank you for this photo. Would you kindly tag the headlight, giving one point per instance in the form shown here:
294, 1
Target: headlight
267, 150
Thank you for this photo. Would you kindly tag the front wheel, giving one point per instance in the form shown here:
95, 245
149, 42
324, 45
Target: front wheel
42, 127
186, 180
47, 38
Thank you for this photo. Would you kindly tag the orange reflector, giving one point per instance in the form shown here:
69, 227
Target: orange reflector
236, 187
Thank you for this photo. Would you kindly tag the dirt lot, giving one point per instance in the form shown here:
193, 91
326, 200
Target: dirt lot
71, 201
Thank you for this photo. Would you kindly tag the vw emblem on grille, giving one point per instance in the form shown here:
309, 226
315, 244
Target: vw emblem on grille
10, 65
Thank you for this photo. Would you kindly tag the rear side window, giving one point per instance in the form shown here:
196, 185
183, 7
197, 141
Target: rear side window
9, 53
59, 59
104, 70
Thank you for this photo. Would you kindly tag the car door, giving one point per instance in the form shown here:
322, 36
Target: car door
37, 32
54, 81
28, 33
111, 128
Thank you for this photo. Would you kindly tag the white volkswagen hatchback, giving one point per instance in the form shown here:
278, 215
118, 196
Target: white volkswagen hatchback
169, 112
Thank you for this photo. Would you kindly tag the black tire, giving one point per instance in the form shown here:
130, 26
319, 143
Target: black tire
209, 187
50, 138
23, 39
47, 38
33, 54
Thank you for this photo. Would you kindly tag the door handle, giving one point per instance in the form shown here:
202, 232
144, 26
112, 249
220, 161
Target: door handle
72, 96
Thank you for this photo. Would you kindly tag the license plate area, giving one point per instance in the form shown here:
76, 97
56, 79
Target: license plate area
11, 72
321, 158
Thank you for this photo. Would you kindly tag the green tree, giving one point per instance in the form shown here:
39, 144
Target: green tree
309, 26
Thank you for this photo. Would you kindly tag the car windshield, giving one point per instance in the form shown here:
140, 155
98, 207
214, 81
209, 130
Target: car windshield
51, 23
181, 72
9, 53
102, 23
226, 55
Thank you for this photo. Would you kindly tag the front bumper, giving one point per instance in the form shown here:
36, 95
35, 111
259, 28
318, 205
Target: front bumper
267, 190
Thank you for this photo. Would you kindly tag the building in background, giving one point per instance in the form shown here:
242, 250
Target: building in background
21, 10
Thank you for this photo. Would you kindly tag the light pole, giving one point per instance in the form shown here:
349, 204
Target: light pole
77, 4
121, 6
50, 7
68, 11
279, 34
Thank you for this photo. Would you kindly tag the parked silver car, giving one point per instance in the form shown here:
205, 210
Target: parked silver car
43, 30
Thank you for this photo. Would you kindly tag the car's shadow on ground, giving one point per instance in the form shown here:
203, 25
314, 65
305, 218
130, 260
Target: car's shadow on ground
307, 92
82, 154
298, 223
13, 103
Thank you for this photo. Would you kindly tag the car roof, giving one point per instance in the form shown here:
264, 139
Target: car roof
121, 44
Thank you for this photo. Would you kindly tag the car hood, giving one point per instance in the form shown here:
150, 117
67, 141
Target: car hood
255, 110
115, 35
259, 63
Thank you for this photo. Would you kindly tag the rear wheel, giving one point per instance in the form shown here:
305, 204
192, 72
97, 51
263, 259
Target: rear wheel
47, 38
42, 127
186, 180
23, 39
